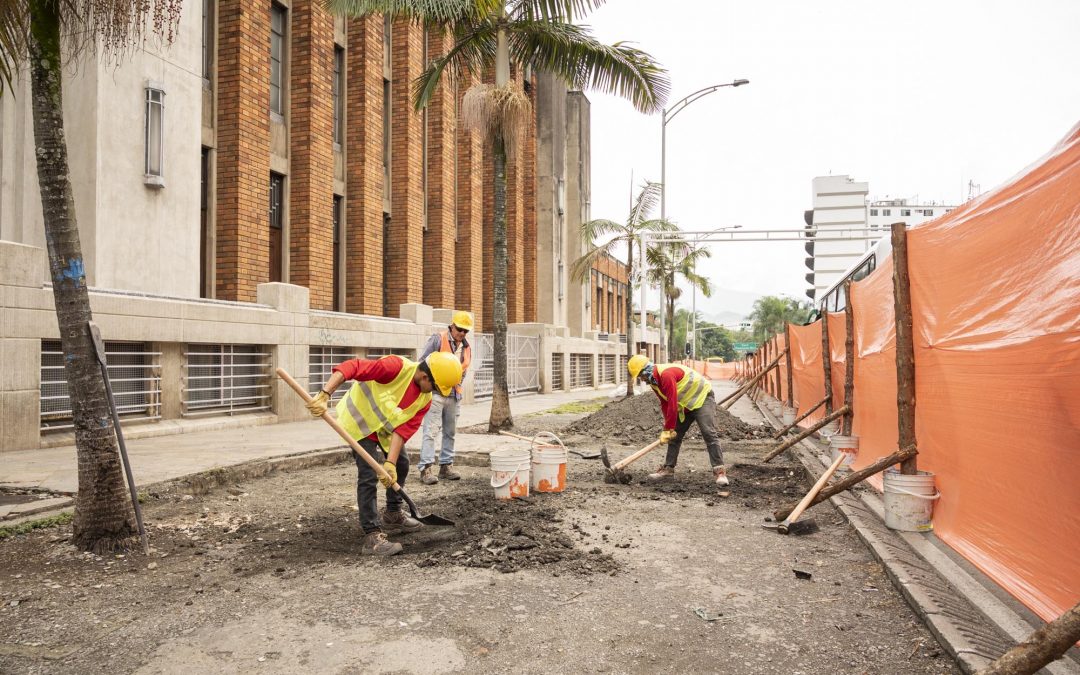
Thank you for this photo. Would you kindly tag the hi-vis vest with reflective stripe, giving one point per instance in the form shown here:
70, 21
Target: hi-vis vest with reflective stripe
692, 388
372, 408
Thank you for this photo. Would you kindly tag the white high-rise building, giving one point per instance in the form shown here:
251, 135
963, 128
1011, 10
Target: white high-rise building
885, 212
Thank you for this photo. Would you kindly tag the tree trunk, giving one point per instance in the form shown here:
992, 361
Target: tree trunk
671, 329
826, 361
905, 347
849, 361
1042, 647
103, 517
500, 397
630, 312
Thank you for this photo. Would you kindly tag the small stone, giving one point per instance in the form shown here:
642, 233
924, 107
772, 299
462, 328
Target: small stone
152, 566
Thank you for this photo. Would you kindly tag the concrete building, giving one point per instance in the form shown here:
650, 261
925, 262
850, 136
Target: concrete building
262, 194
882, 213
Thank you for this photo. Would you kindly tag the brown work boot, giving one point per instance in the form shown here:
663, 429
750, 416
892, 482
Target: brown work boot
447, 471
721, 475
375, 543
427, 475
664, 473
398, 521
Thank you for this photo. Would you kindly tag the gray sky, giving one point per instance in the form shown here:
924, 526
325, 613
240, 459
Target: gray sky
915, 97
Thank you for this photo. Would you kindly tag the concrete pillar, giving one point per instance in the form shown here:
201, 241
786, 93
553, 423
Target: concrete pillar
292, 353
20, 377
171, 365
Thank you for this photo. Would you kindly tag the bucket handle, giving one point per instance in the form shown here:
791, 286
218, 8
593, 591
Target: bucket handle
512, 477
936, 495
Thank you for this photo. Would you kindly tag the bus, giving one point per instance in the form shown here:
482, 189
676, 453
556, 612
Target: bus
834, 299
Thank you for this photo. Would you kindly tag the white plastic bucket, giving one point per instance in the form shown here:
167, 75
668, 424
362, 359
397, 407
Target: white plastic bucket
830, 429
548, 470
510, 473
909, 501
848, 446
789, 416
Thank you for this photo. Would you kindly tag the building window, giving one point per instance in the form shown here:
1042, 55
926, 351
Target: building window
928, 212
207, 38
277, 58
873, 212
886, 212
277, 221
905, 212
337, 252
339, 91
155, 142
204, 223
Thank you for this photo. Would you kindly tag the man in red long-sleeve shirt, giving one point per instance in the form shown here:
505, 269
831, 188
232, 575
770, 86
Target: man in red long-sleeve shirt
382, 411
685, 397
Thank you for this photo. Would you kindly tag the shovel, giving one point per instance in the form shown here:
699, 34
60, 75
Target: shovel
432, 519
615, 474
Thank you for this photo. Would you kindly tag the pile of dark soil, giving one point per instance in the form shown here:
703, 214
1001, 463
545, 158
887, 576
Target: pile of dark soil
504, 536
637, 421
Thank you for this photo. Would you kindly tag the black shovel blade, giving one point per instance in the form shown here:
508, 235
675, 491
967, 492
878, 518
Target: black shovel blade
431, 519
604, 457
585, 454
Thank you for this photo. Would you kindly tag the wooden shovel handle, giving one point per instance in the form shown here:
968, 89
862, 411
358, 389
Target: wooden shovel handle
636, 456
376, 467
526, 438
814, 490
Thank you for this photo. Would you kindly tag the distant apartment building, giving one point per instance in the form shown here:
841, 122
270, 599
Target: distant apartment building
842, 210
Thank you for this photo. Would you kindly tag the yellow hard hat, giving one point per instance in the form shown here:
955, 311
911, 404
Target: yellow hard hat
636, 364
445, 370
463, 320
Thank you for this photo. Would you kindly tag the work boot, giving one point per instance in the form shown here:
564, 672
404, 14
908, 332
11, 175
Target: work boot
398, 521
721, 475
427, 475
447, 471
664, 473
375, 543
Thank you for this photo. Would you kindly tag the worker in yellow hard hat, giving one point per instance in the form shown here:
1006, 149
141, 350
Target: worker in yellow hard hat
685, 397
440, 424
383, 409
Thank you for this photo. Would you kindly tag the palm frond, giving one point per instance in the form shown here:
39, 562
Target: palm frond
658, 225
580, 268
574, 55
565, 10
647, 199
424, 11
14, 33
594, 230
497, 112
471, 51
700, 282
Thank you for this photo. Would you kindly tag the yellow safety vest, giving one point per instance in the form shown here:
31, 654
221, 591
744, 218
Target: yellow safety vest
692, 388
372, 408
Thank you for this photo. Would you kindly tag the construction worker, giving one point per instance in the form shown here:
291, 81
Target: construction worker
382, 410
685, 397
441, 420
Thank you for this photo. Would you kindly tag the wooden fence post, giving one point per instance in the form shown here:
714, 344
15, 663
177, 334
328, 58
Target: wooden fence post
905, 346
826, 361
849, 361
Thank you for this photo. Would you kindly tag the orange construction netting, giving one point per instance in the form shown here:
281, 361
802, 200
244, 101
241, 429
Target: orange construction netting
995, 288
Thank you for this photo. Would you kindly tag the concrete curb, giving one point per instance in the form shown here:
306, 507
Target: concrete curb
973, 626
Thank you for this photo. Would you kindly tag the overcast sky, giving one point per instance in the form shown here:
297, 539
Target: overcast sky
915, 97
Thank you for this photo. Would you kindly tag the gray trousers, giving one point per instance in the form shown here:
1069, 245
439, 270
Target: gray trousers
705, 416
367, 485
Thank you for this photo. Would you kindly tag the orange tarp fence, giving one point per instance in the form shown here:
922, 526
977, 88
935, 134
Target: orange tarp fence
995, 289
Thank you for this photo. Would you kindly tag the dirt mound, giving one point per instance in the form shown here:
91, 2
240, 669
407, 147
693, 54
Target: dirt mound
505, 537
637, 421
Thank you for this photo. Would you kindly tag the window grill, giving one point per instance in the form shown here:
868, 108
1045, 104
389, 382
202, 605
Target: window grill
225, 379
622, 373
607, 369
522, 364
581, 372
321, 362
556, 372
133, 372
379, 352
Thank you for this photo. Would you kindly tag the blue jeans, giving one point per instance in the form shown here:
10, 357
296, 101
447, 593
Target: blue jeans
440, 421
367, 486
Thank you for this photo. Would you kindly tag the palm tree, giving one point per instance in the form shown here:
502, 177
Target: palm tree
621, 234
772, 312
44, 36
538, 33
667, 262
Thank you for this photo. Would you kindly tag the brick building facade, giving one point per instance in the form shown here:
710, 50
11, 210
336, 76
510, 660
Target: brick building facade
608, 289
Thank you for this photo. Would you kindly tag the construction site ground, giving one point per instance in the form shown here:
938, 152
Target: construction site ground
265, 575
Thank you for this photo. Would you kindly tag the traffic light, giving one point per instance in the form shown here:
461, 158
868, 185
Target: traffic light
688, 349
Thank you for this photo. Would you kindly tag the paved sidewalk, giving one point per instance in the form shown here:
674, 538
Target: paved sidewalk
162, 458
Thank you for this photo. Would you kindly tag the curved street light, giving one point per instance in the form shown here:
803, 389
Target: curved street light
668, 115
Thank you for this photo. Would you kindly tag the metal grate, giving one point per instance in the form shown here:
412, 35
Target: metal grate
607, 369
556, 372
621, 373
133, 372
379, 352
321, 362
581, 371
522, 364
225, 379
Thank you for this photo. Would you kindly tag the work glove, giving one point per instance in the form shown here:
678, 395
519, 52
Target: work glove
317, 405
388, 481
667, 435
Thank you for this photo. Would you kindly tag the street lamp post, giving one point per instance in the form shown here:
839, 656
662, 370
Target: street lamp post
668, 115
